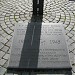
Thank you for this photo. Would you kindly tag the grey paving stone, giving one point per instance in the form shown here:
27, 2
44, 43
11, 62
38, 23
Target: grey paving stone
2, 70
10, 25
2, 61
74, 68
12, 14
70, 35
1, 32
0, 29
5, 48
70, 41
73, 37
1, 54
54, 21
4, 34
71, 47
11, 17
1, 45
56, 18
4, 40
62, 15
17, 16
67, 23
8, 37
9, 51
71, 57
74, 28
69, 27
4, 26
6, 64
71, 23
8, 31
3, 13
9, 43
6, 56
62, 19
7, 23
1, 19
7, 14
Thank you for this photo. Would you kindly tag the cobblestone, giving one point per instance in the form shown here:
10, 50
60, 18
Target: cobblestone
6, 56
1, 45
56, 11
2, 61
5, 49
1, 54
2, 70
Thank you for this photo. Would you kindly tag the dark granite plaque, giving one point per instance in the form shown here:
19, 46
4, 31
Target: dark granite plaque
39, 46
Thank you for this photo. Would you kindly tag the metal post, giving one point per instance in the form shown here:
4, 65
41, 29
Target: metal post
38, 7
34, 7
41, 7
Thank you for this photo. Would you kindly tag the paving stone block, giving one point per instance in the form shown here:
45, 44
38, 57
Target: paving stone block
6, 56
1, 54
1, 32
8, 37
69, 27
72, 32
17, 16
73, 37
4, 26
74, 68
6, 64
4, 34
74, 28
70, 35
5, 48
7, 14
11, 17
1, 19
3, 13
70, 41
4, 40
2, 61
7, 22
2, 70
9, 51
1, 45
71, 57
8, 30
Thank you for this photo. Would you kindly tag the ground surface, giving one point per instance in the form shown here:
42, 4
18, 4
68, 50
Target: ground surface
12, 11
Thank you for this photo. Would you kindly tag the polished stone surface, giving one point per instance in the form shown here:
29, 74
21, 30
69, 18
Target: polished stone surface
39, 45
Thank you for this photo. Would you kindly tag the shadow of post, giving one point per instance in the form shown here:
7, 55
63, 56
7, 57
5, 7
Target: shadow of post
30, 50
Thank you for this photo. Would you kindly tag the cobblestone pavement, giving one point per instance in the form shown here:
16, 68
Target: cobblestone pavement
13, 11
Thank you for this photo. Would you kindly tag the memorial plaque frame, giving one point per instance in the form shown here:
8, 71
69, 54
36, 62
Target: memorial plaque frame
52, 40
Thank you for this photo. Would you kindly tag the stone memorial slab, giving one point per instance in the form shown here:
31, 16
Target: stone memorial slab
39, 46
